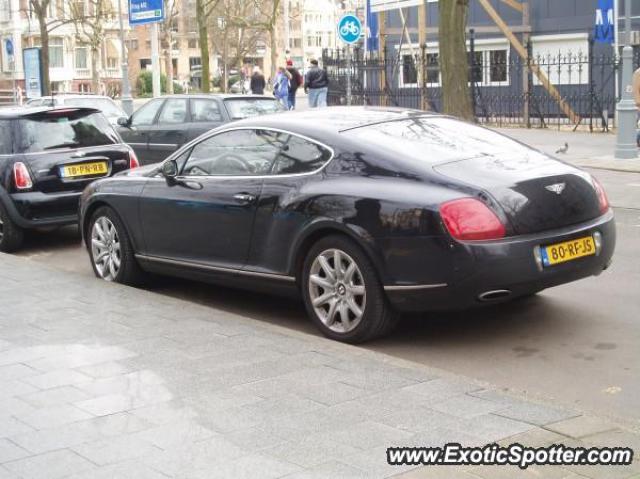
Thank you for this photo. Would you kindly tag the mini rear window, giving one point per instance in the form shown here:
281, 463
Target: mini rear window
56, 129
6, 137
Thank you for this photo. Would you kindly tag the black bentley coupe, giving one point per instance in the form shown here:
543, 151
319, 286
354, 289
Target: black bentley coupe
365, 211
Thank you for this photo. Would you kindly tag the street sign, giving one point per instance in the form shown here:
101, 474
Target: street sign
32, 60
349, 28
145, 11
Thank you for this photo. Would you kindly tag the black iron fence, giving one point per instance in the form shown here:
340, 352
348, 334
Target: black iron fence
505, 88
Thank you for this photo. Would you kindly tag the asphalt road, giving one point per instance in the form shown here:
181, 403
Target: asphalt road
578, 344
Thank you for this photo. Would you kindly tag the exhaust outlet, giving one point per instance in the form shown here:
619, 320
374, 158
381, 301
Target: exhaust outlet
494, 295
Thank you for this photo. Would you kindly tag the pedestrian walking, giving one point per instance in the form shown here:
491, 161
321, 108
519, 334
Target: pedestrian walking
294, 83
636, 97
257, 83
281, 86
316, 84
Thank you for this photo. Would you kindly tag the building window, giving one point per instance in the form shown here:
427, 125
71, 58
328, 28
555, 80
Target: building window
192, 43
409, 71
194, 63
497, 66
5, 11
56, 53
81, 59
112, 62
132, 44
433, 68
145, 63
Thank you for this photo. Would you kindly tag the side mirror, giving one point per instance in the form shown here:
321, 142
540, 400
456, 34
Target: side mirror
170, 169
123, 121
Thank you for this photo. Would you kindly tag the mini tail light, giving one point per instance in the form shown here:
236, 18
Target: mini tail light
471, 219
133, 159
603, 201
21, 176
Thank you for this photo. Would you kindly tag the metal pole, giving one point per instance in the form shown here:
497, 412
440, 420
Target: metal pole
125, 94
626, 146
155, 60
349, 75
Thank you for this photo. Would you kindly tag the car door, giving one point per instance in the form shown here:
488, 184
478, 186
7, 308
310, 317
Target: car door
278, 217
206, 114
136, 133
206, 215
170, 129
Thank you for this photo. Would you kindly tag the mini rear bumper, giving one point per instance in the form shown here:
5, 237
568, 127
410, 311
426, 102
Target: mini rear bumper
34, 209
508, 267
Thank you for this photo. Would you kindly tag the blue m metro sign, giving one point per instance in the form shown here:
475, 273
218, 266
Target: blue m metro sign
604, 30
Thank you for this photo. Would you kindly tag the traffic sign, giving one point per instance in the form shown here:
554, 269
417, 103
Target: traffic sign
349, 28
145, 11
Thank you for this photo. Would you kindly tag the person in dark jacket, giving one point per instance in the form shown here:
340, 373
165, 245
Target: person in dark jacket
295, 82
257, 83
316, 84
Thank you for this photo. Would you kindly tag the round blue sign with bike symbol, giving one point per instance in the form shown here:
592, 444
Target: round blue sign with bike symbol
349, 28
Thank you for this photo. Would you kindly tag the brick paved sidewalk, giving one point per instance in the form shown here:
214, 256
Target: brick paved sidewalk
105, 381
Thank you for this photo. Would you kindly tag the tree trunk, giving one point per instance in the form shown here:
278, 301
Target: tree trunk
273, 39
44, 43
456, 97
95, 77
169, 60
203, 37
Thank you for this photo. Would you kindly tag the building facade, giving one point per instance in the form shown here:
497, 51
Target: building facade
70, 56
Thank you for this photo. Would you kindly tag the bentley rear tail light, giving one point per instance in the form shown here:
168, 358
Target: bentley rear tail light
471, 219
133, 159
603, 201
21, 176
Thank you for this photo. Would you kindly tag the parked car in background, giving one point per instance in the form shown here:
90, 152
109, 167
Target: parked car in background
47, 157
364, 211
162, 125
105, 104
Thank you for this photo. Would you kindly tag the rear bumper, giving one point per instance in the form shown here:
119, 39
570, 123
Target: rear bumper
35, 209
508, 265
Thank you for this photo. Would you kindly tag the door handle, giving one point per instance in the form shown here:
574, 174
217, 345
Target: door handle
244, 198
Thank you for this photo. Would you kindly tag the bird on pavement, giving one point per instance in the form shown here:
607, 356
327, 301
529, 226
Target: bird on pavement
563, 149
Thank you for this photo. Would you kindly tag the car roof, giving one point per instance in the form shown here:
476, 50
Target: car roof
73, 95
18, 112
222, 96
333, 119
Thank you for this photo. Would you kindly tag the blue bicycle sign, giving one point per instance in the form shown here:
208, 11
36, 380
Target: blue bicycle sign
349, 28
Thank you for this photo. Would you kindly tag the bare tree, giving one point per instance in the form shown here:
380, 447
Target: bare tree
46, 24
168, 28
456, 96
90, 30
204, 9
269, 11
237, 36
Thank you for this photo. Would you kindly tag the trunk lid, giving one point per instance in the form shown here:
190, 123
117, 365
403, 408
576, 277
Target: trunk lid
67, 148
535, 192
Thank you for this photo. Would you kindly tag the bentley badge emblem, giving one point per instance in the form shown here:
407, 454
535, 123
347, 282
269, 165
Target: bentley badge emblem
556, 188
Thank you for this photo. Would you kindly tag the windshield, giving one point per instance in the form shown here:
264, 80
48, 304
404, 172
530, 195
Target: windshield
106, 106
247, 107
64, 129
438, 139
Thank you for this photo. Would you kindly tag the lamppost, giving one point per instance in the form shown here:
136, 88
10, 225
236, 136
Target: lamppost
626, 146
125, 94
